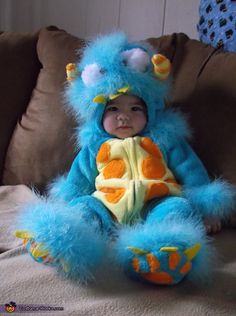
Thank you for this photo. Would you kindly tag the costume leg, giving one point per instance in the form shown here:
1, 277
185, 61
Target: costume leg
170, 245
72, 237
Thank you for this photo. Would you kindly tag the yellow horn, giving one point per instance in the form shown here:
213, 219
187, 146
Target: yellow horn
162, 66
71, 72
100, 99
192, 251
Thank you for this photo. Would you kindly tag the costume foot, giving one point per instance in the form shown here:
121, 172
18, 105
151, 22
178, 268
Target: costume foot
36, 250
168, 265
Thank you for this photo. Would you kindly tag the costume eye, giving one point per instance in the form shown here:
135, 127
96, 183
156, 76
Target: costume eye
136, 58
92, 74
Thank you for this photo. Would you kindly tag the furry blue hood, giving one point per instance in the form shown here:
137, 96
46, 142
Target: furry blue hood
111, 65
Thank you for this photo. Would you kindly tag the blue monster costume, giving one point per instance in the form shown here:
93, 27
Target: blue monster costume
140, 200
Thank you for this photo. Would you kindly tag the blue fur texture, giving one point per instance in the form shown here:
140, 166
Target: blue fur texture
182, 233
76, 228
106, 52
214, 199
67, 235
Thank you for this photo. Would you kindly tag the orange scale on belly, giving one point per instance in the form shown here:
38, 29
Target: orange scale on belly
173, 182
103, 153
153, 168
157, 190
114, 169
113, 195
148, 145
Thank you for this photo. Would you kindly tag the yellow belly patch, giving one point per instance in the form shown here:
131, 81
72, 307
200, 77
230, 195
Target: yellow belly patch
113, 195
103, 153
153, 168
114, 169
132, 171
157, 190
150, 147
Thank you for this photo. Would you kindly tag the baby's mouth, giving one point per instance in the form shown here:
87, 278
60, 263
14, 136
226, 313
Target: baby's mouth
124, 127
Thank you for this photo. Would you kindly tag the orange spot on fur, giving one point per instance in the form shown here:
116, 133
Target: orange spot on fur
135, 264
157, 190
103, 153
186, 268
153, 262
113, 194
114, 169
174, 260
153, 168
150, 147
158, 277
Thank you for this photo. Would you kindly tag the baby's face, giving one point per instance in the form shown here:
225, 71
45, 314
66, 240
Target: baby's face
125, 116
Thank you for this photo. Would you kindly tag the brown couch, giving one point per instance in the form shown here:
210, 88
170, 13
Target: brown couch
37, 144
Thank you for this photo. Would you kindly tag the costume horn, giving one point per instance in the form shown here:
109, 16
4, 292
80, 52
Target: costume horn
71, 72
162, 66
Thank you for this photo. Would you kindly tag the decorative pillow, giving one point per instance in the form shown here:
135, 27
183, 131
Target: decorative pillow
217, 24
19, 66
42, 145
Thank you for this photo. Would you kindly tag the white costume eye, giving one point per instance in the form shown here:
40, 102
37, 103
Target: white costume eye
136, 58
91, 74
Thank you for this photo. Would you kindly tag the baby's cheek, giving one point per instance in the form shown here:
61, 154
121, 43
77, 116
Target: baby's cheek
140, 121
108, 123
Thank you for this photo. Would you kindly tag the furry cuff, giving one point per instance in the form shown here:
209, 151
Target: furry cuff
68, 237
214, 199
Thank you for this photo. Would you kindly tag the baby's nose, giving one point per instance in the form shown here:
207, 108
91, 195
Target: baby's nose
123, 116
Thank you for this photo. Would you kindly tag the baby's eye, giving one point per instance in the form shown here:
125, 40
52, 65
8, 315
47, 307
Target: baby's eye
136, 108
112, 109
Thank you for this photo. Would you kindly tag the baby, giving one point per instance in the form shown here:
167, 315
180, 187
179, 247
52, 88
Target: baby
135, 182
126, 116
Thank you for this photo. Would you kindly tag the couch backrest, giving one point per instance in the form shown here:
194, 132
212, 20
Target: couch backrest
204, 89
19, 66
36, 134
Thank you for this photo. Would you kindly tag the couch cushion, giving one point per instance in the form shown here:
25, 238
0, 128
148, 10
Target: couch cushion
19, 66
204, 88
42, 145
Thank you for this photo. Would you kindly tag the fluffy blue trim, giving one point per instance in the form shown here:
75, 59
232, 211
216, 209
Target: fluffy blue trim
106, 52
67, 235
57, 186
183, 234
214, 199
169, 126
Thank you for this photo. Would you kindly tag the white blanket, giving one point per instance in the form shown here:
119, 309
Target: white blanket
24, 281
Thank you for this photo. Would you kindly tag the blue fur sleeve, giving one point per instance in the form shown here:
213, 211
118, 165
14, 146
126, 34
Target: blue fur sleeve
80, 180
209, 198
186, 166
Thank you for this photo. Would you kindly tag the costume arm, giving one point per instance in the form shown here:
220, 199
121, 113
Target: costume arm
186, 166
80, 180
209, 198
